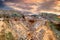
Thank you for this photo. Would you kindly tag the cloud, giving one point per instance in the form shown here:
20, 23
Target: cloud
47, 5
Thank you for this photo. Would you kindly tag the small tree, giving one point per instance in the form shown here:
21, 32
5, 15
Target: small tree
9, 36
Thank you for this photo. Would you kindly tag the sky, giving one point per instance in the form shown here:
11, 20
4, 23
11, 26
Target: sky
34, 5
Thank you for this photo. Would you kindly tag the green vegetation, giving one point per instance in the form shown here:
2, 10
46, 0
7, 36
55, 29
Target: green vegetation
9, 14
56, 29
17, 15
6, 36
51, 17
9, 36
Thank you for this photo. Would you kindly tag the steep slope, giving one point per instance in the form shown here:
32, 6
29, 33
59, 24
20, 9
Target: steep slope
30, 26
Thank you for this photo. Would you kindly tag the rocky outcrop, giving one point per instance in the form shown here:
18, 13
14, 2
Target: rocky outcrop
30, 26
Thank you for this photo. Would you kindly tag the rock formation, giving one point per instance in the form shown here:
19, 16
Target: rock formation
30, 26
